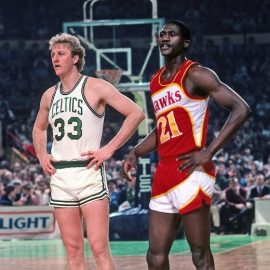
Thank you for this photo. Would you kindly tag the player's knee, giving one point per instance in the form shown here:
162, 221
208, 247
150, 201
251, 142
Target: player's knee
198, 256
74, 249
157, 260
99, 249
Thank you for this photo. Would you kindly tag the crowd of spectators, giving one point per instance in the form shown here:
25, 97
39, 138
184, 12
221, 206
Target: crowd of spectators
31, 19
243, 164
23, 185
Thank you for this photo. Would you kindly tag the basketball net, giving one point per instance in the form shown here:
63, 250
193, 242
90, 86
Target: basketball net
110, 75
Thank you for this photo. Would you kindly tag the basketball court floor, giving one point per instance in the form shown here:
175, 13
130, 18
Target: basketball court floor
231, 252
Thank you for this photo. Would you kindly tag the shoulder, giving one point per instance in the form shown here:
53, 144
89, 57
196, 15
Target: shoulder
203, 79
198, 72
48, 95
99, 88
96, 83
50, 91
92, 81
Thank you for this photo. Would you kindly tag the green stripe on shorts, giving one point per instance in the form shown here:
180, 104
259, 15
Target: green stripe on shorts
70, 164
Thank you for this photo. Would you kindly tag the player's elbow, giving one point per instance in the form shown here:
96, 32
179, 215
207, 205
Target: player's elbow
247, 111
138, 114
141, 115
135, 116
244, 111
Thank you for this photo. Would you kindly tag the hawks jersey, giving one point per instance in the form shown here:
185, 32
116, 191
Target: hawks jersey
181, 118
181, 128
76, 126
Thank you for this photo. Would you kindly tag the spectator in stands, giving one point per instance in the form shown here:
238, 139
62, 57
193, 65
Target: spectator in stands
250, 180
4, 165
247, 155
221, 178
29, 195
217, 203
260, 189
17, 167
42, 190
8, 198
7, 177
115, 195
129, 192
17, 183
237, 213
267, 181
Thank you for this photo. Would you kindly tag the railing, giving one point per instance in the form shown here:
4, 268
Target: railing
23, 149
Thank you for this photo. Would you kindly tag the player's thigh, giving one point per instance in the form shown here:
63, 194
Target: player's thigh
96, 217
197, 226
163, 228
70, 225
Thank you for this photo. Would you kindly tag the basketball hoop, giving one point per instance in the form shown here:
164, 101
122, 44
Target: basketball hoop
110, 75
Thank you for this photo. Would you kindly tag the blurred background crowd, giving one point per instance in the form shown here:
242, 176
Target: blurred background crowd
242, 166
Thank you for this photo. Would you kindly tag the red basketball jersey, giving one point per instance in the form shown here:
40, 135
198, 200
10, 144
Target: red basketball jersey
181, 118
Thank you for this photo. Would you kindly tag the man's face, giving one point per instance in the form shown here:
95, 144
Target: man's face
170, 40
62, 59
259, 179
234, 183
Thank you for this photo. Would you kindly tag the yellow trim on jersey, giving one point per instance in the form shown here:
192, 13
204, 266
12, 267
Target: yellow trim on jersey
202, 127
192, 199
185, 72
180, 87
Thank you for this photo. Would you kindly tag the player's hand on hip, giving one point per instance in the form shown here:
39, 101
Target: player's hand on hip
46, 163
97, 157
194, 159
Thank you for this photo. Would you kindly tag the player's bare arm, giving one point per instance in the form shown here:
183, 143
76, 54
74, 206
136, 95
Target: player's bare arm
147, 145
105, 93
202, 81
40, 133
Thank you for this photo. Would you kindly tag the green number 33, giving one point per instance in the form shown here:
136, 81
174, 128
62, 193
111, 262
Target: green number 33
76, 132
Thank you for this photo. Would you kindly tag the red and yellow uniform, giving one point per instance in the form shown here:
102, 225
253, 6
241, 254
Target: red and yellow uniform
181, 128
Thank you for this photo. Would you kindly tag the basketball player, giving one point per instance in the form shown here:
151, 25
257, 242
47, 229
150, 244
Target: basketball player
184, 179
75, 108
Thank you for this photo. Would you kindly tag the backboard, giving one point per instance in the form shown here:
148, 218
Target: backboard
129, 45
126, 44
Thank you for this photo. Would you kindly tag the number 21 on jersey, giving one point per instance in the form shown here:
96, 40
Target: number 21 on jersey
168, 127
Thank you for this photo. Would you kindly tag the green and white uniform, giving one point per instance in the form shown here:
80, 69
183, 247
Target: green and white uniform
76, 128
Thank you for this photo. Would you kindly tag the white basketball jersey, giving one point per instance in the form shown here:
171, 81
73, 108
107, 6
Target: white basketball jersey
76, 126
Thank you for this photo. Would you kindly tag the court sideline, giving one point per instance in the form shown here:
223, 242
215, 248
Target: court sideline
231, 253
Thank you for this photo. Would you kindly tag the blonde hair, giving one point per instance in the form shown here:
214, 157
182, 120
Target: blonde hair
74, 45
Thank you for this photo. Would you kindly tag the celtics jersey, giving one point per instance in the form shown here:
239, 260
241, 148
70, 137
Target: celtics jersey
76, 126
